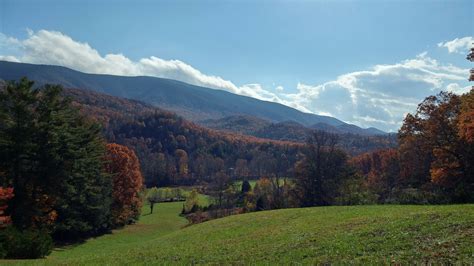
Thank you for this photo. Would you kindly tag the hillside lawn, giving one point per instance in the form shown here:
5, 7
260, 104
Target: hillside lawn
387, 234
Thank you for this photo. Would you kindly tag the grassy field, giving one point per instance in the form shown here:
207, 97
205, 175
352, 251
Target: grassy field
360, 234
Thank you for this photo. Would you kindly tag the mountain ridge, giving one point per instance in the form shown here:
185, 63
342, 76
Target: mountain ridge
195, 103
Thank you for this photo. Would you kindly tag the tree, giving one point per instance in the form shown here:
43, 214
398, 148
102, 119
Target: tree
53, 158
182, 163
123, 165
470, 57
218, 187
18, 148
263, 192
384, 172
153, 196
320, 170
246, 187
241, 168
191, 202
466, 117
72, 159
439, 134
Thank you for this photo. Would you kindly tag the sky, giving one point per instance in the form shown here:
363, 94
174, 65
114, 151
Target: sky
367, 63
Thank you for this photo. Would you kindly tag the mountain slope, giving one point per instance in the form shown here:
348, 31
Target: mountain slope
192, 102
166, 143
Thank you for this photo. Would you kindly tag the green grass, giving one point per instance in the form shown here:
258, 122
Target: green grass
389, 234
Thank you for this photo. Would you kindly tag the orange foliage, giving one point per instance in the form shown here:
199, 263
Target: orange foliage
381, 168
123, 164
466, 117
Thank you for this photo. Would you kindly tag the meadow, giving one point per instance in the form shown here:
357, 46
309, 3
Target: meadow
389, 234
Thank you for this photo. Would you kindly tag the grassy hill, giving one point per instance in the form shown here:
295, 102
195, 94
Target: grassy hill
359, 234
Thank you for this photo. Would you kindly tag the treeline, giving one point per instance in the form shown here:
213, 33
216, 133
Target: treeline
59, 180
433, 165
434, 162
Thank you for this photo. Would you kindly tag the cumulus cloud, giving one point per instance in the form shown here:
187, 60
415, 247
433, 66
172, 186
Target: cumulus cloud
381, 96
458, 45
376, 97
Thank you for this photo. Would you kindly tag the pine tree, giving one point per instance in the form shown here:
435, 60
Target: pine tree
18, 149
53, 158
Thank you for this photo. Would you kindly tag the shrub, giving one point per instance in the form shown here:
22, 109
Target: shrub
354, 192
27, 244
191, 204
416, 196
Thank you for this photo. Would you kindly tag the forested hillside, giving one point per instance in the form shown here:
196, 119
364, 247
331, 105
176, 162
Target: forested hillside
174, 151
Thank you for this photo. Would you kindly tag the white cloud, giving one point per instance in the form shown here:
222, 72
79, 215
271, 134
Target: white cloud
381, 96
9, 58
458, 45
456, 88
376, 97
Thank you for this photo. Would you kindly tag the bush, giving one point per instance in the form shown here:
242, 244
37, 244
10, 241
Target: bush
355, 192
415, 196
27, 244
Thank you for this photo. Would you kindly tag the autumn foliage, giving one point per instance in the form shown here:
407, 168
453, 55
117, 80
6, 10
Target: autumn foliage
435, 154
5, 195
124, 166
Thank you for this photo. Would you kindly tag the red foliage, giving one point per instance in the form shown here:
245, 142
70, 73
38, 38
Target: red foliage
123, 164
5, 195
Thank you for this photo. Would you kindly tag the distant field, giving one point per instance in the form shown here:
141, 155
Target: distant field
387, 234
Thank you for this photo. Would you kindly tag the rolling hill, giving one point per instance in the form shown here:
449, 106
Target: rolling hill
192, 102
374, 235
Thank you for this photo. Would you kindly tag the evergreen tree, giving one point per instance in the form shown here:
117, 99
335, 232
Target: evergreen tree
53, 157
246, 186
18, 149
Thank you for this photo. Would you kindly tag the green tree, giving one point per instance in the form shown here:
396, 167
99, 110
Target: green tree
192, 200
153, 196
53, 158
18, 149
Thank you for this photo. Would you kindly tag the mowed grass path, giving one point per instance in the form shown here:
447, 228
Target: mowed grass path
387, 234
164, 220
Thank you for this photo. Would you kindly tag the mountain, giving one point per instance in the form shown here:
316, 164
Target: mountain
191, 102
348, 128
353, 143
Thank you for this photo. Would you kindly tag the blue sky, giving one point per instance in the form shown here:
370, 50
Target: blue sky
365, 62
